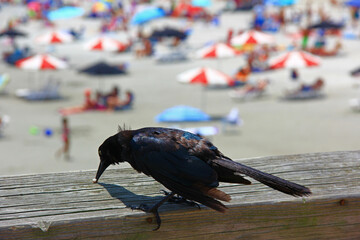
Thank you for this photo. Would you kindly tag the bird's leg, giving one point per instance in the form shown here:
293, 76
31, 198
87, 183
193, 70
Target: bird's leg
154, 209
179, 199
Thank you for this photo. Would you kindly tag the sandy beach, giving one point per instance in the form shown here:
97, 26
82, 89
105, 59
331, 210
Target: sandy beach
271, 126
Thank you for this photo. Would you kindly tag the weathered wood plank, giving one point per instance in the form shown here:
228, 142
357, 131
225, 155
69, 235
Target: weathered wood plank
68, 205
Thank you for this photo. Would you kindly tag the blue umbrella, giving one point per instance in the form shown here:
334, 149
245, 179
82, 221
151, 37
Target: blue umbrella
353, 3
280, 3
182, 113
201, 3
65, 13
147, 14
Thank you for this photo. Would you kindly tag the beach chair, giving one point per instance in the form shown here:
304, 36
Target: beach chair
49, 92
129, 102
355, 104
232, 120
171, 55
204, 131
250, 91
305, 91
4, 82
303, 95
4, 122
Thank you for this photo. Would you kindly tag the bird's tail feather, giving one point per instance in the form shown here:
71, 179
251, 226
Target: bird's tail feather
217, 194
272, 181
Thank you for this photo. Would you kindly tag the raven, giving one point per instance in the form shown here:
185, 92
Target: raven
186, 164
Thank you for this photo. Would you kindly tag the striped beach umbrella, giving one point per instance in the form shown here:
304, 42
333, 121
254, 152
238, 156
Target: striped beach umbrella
294, 59
41, 62
106, 44
217, 50
252, 37
205, 76
55, 37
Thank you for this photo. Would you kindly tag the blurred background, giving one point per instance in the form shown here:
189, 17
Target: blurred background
257, 78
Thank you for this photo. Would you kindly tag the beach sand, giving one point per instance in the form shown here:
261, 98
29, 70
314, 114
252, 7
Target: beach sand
271, 126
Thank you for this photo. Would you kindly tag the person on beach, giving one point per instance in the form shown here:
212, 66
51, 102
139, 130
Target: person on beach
66, 140
294, 75
116, 104
88, 103
316, 86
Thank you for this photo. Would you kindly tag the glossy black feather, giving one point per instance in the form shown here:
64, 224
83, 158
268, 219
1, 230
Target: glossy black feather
185, 163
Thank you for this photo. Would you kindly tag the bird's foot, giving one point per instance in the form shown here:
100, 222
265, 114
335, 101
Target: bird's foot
147, 209
142, 207
179, 199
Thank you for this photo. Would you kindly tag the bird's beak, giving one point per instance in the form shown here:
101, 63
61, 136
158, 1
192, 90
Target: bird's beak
102, 166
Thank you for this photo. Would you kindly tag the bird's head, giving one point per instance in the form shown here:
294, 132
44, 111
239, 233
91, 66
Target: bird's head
109, 153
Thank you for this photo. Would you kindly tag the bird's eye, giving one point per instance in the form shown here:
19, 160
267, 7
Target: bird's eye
99, 152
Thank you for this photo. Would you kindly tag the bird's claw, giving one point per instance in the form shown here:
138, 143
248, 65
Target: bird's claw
147, 209
142, 207
179, 199
158, 219
166, 193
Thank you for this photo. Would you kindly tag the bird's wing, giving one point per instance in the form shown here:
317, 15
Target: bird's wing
179, 171
171, 140
161, 152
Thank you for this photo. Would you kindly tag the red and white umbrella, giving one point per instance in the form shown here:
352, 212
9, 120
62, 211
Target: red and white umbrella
205, 76
217, 50
41, 62
252, 37
105, 44
294, 59
55, 37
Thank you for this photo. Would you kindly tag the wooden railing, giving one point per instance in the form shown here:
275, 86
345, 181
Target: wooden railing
68, 205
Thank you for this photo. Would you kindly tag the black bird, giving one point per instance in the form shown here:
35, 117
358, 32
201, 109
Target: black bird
186, 164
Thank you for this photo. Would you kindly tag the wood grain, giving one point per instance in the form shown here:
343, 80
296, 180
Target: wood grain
68, 205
